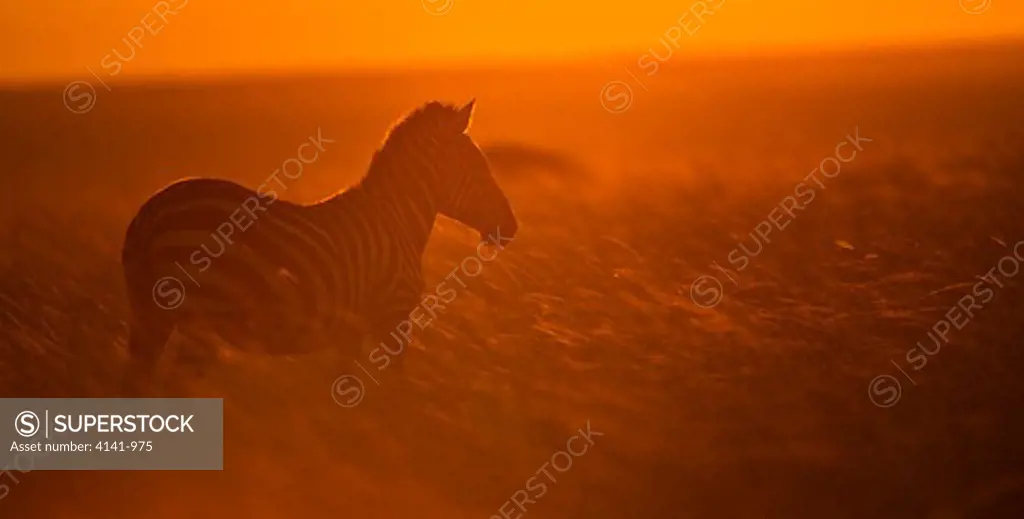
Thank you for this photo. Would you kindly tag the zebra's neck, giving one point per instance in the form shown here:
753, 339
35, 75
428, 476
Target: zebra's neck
404, 199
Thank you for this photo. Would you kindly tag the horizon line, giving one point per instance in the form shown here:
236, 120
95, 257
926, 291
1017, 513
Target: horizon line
590, 61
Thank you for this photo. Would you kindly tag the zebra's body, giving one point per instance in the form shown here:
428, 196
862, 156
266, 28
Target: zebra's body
279, 277
300, 270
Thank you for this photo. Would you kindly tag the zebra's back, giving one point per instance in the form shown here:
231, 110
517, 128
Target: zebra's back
245, 256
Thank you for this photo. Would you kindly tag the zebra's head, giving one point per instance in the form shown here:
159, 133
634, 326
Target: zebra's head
469, 192
430, 152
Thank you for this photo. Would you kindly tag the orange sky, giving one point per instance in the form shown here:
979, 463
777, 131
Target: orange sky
59, 38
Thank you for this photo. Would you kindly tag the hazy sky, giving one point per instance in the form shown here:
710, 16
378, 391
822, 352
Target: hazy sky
59, 38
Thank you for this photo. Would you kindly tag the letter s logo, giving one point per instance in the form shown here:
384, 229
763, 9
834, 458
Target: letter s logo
26, 424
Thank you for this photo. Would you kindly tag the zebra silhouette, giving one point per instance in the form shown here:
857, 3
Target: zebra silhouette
296, 278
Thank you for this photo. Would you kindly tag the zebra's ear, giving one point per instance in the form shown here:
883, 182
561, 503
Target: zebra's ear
466, 114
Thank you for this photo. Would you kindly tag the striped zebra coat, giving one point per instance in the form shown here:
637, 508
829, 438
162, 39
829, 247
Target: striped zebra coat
269, 275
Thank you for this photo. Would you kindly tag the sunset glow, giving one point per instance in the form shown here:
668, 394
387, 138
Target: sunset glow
60, 39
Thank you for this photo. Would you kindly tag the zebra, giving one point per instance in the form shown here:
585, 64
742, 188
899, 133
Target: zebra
300, 275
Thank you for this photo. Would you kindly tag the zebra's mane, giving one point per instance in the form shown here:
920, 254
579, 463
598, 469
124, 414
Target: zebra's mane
432, 119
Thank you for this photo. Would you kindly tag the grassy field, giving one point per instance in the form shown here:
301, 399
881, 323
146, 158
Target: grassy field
756, 406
